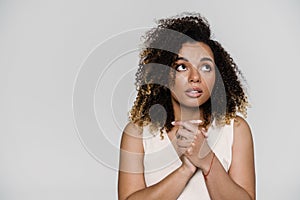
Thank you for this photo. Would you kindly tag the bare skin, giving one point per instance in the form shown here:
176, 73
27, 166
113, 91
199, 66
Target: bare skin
131, 178
239, 183
194, 72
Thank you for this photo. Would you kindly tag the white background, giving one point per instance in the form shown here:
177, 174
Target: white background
44, 43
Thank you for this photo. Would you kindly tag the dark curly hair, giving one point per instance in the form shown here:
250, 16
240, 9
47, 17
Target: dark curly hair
155, 74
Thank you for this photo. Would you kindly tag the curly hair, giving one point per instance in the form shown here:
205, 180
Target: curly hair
155, 74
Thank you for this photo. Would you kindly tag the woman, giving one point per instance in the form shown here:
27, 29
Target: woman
185, 139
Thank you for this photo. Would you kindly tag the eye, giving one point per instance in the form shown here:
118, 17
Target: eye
181, 68
206, 68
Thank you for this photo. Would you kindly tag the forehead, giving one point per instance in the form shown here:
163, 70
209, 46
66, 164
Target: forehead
195, 50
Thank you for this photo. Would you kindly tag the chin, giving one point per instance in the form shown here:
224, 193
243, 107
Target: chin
194, 102
191, 105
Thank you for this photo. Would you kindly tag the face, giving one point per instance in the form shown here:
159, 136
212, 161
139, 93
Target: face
195, 75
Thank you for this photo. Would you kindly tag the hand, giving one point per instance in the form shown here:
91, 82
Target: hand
192, 142
200, 153
185, 135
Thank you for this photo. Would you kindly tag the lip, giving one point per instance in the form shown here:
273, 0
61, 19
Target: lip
194, 92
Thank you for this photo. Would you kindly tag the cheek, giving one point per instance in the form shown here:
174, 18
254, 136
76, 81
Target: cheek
209, 84
177, 88
179, 81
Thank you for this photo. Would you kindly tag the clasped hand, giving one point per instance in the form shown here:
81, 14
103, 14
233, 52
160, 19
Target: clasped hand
191, 142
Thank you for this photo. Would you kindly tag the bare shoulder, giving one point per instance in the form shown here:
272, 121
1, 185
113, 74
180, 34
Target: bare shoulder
132, 138
240, 122
133, 129
242, 130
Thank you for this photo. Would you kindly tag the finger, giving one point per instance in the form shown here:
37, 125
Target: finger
197, 121
191, 125
198, 142
182, 123
189, 151
180, 136
185, 134
205, 135
184, 143
181, 151
204, 132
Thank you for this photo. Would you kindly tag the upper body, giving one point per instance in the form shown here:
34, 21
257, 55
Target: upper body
199, 87
161, 159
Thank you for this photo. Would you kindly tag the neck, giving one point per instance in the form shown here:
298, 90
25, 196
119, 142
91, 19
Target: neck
184, 113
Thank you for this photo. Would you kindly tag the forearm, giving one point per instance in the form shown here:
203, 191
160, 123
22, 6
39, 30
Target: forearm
168, 189
221, 187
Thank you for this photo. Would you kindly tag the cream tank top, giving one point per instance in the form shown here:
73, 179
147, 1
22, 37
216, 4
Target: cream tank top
161, 159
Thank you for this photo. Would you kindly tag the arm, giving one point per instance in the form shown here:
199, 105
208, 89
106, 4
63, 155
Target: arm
239, 182
131, 183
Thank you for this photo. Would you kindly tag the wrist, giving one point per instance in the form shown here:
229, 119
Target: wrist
186, 171
207, 163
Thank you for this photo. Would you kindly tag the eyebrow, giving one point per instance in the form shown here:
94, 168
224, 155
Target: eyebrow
202, 59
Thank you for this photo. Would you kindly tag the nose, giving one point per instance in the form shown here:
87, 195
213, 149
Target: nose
194, 75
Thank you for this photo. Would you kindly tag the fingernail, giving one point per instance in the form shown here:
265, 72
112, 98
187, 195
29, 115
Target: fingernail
205, 135
196, 121
173, 122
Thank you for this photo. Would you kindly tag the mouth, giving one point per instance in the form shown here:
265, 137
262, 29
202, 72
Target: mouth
194, 92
